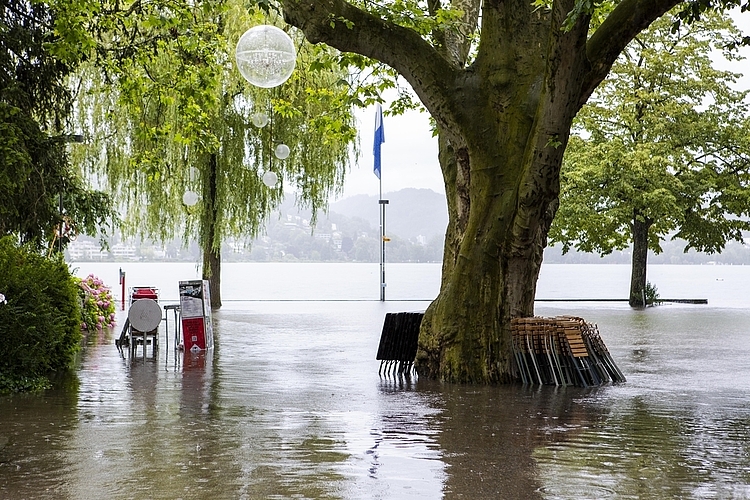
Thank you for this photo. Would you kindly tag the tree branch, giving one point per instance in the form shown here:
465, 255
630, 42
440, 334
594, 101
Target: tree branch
629, 18
438, 35
459, 40
349, 29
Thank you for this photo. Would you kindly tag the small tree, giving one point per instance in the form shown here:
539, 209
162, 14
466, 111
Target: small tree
663, 147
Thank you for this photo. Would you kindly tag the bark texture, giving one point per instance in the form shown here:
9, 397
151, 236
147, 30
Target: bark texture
211, 250
640, 230
503, 123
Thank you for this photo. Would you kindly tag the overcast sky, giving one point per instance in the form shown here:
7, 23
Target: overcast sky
409, 154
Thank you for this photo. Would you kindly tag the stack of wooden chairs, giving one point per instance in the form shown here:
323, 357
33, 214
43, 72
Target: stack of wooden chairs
564, 350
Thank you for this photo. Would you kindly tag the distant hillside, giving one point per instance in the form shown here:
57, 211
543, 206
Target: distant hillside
349, 232
411, 212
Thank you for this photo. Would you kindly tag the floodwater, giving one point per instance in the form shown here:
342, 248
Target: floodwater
289, 404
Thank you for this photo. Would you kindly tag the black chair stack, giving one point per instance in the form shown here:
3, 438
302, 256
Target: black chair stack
398, 343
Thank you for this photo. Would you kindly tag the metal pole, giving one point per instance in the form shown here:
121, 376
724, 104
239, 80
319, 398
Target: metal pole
382, 242
122, 284
62, 226
64, 138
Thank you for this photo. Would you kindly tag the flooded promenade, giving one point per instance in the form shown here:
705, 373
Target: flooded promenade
290, 405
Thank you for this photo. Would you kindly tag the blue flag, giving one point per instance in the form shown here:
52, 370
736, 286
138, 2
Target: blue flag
379, 138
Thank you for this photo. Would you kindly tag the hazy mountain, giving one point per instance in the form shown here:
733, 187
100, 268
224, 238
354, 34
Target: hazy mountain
410, 212
350, 232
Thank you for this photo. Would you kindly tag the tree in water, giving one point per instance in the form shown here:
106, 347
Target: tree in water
663, 149
170, 114
503, 94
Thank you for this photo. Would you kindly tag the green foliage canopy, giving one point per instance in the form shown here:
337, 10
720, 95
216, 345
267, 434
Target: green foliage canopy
665, 139
169, 112
35, 175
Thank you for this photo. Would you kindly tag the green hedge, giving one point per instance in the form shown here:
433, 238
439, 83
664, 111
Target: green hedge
40, 320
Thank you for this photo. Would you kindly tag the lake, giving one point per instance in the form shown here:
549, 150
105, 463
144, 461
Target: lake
290, 405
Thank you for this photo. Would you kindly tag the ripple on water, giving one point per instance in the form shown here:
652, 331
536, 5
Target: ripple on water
290, 405
566, 491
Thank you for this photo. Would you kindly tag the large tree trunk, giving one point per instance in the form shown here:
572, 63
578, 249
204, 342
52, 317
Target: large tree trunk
212, 273
640, 230
211, 248
502, 181
491, 264
503, 123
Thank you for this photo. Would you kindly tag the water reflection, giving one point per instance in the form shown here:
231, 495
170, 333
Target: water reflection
677, 428
489, 436
642, 449
289, 404
34, 434
405, 459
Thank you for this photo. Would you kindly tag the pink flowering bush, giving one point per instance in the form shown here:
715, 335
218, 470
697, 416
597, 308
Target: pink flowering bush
98, 306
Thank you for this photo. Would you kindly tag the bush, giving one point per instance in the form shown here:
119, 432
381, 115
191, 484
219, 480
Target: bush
652, 295
40, 317
98, 305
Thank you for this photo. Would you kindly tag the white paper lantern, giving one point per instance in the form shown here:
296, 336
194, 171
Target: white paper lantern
282, 152
259, 119
265, 56
270, 179
190, 198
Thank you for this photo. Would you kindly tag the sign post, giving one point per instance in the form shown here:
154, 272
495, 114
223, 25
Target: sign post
195, 311
122, 286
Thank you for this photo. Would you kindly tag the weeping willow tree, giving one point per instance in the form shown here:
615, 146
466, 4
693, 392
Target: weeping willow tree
168, 113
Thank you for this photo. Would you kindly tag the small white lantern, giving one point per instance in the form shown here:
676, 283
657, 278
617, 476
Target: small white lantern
265, 56
259, 119
190, 198
282, 152
270, 179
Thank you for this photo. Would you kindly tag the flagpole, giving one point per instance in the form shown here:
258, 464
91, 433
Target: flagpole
380, 139
383, 240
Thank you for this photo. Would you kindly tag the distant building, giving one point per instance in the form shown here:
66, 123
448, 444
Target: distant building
85, 250
121, 251
336, 238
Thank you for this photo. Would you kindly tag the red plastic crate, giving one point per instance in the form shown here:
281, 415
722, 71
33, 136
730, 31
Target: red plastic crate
145, 293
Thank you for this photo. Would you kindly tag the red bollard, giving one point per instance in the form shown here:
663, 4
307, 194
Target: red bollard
122, 283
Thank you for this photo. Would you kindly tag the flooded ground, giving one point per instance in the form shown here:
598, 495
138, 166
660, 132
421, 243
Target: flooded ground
290, 405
